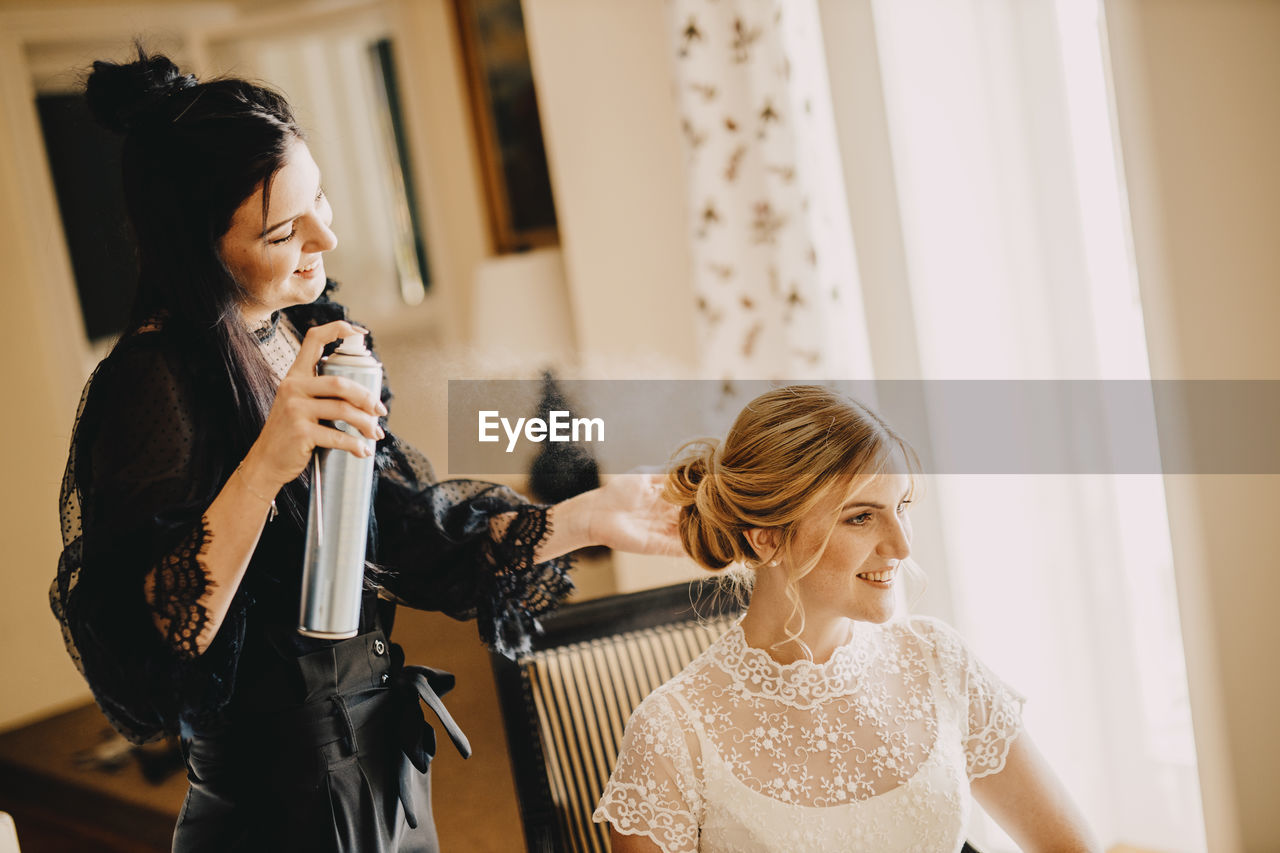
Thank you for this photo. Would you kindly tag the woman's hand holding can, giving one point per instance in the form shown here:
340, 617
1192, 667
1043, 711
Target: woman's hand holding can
303, 400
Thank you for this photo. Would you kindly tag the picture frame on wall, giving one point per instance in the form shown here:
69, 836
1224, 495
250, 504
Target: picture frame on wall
508, 128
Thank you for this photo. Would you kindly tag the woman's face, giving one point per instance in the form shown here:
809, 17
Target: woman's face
857, 574
279, 259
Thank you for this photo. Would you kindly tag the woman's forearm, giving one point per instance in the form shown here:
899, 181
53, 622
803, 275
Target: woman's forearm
626, 514
569, 527
1030, 803
231, 527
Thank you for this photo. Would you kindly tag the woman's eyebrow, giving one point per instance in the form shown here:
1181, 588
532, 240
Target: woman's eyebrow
267, 231
871, 504
853, 504
282, 222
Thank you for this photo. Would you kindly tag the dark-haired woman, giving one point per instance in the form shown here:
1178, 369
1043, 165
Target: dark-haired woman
183, 529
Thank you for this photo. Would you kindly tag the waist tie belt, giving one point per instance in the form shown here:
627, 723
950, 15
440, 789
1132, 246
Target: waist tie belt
343, 699
416, 736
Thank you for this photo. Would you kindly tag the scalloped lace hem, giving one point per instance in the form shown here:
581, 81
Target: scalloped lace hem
665, 844
1002, 756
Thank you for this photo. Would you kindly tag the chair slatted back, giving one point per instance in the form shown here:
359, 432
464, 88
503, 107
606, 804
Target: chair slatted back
567, 702
583, 695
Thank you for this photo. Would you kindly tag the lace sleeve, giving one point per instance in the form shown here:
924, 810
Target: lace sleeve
463, 547
654, 788
177, 585
990, 709
132, 505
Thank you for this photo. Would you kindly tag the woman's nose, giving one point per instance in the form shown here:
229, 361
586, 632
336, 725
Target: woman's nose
897, 542
321, 238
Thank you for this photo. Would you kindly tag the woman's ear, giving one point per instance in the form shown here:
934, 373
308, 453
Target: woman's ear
763, 540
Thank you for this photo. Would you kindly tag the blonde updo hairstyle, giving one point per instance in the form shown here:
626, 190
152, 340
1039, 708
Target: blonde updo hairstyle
784, 454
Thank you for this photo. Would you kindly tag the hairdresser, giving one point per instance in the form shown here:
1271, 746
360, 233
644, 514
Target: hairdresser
185, 492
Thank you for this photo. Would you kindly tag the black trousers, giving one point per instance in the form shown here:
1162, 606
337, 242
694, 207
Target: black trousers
348, 769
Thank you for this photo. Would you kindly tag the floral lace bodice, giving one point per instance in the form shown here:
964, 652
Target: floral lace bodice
871, 750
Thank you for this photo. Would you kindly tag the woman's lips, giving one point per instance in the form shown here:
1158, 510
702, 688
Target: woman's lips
309, 270
883, 578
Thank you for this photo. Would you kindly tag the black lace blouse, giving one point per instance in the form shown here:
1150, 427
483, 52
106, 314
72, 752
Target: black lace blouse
148, 456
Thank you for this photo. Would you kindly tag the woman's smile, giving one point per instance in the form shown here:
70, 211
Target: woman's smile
883, 579
311, 270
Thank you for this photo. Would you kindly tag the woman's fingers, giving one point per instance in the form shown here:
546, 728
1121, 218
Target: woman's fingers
323, 409
326, 436
314, 342
342, 388
306, 405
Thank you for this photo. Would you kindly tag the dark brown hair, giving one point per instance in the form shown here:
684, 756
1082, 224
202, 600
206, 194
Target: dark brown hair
193, 152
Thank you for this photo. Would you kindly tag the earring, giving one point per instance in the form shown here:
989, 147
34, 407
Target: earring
773, 563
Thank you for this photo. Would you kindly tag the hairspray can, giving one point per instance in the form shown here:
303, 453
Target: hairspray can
338, 518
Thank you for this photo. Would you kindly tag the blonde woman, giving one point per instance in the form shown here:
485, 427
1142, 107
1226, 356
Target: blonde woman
821, 722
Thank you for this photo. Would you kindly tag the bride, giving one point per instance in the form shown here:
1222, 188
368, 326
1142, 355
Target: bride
820, 722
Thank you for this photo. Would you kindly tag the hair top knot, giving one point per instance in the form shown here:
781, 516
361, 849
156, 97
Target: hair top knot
121, 96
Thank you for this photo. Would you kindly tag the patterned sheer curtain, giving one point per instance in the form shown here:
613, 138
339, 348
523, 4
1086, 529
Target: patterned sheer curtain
774, 272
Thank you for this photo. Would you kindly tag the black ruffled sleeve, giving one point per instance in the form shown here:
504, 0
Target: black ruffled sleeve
133, 499
463, 547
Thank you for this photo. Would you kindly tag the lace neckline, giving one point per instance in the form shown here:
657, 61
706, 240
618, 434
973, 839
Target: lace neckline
265, 330
804, 682
279, 345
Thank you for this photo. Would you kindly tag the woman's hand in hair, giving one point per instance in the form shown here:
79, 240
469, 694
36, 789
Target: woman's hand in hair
627, 514
293, 429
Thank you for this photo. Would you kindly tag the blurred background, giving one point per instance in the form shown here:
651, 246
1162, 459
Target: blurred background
751, 189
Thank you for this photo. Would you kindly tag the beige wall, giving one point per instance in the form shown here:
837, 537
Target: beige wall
617, 168
1199, 119
37, 674
46, 342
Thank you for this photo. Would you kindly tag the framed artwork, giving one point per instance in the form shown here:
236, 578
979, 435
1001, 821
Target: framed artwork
504, 105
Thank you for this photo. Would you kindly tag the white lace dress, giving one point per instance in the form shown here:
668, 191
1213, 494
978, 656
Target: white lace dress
872, 750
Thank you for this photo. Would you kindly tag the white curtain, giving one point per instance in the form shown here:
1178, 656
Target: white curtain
772, 250
1013, 222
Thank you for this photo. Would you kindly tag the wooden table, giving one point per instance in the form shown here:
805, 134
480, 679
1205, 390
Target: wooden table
61, 802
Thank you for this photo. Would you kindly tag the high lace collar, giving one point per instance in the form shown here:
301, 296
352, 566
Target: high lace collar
755, 672
265, 330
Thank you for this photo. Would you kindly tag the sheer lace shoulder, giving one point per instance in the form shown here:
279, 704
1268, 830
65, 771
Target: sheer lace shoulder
654, 790
992, 709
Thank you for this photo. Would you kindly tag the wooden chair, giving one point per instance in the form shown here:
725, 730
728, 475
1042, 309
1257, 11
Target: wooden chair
565, 703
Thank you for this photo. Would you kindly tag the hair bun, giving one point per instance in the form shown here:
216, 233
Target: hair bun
119, 94
692, 463
707, 524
